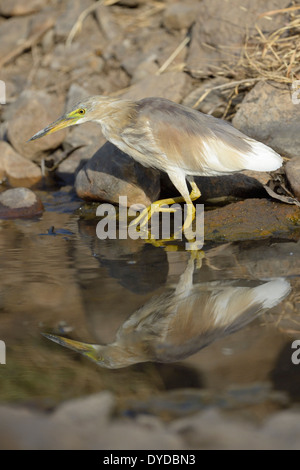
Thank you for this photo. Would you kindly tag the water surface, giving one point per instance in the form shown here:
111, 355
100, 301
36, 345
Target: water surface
184, 331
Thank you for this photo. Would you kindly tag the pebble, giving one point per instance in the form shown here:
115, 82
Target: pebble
19, 203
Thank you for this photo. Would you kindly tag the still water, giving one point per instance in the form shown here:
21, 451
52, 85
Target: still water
178, 331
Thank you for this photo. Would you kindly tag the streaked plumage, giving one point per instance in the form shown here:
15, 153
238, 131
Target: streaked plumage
173, 138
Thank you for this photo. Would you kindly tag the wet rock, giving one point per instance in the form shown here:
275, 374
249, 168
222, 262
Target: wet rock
279, 127
252, 219
19, 8
16, 169
219, 32
19, 202
293, 175
30, 113
111, 173
169, 85
180, 16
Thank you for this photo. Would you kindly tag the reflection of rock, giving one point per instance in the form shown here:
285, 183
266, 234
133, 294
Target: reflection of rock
147, 269
177, 324
19, 202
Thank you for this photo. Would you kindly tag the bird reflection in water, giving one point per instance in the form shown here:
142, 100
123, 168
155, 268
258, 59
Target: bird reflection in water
181, 321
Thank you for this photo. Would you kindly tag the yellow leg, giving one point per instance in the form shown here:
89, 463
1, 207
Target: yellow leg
156, 206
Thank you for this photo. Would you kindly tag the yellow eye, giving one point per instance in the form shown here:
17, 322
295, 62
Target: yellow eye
81, 111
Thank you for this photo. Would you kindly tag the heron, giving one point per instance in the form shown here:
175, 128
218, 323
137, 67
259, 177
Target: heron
173, 138
182, 320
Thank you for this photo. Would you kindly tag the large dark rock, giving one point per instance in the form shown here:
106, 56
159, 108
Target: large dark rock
111, 173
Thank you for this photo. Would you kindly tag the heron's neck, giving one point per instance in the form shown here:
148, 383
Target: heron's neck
117, 355
118, 115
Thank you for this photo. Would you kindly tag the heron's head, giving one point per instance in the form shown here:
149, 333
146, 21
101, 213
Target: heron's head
108, 356
95, 108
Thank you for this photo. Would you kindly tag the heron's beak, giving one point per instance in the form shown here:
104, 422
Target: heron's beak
61, 123
89, 350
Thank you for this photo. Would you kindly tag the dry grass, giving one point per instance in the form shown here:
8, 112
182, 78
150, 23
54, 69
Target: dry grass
274, 57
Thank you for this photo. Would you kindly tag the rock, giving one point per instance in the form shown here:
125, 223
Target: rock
279, 127
3, 130
88, 134
66, 20
214, 103
18, 170
219, 32
180, 16
19, 8
293, 175
30, 113
76, 94
12, 32
108, 24
148, 45
85, 134
65, 59
83, 423
227, 187
69, 167
169, 85
111, 173
251, 219
19, 202
145, 69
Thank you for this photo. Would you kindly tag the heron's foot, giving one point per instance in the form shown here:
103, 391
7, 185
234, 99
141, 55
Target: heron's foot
198, 256
147, 213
